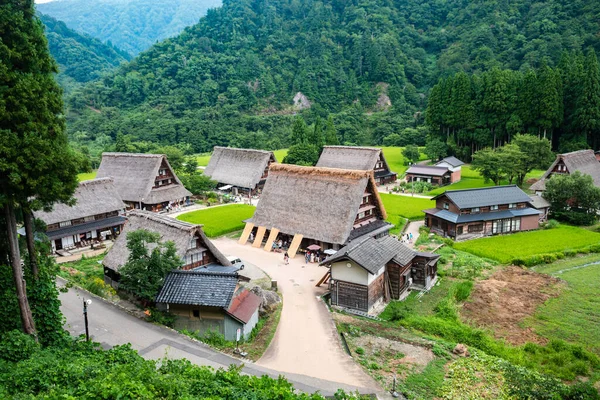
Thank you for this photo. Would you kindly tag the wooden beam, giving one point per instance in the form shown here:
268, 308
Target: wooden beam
259, 236
246, 233
295, 245
324, 279
271, 239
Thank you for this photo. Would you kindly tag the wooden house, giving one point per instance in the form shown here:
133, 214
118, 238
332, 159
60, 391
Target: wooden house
584, 161
243, 170
98, 214
144, 181
191, 243
203, 301
454, 165
328, 207
368, 272
444, 172
471, 213
358, 158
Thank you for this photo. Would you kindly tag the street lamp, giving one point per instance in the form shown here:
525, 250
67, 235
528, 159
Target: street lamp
86, 303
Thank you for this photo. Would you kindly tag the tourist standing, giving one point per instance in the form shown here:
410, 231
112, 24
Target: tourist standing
286, 258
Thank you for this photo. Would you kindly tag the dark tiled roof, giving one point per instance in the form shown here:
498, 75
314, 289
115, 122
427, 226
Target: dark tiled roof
375, 227
244, 305
198, 288
86, 227
539, 202
455, 162
427, 170
372, 254
488, 196
488, 216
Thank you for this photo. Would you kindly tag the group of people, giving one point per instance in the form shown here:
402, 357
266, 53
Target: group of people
407, 238
313, 256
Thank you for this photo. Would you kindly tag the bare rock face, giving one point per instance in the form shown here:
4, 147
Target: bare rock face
461, 350
269, 299
301, 102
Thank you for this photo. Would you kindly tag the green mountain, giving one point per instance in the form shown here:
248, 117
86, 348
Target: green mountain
231, 78
131, 25
80, 57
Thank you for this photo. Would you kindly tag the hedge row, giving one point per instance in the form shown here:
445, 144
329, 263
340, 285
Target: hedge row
549, 258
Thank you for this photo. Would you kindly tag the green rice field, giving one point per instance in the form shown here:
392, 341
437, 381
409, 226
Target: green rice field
86, 176
220, 220
506, 248
405, 206
575, 314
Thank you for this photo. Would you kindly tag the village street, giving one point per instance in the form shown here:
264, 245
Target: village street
306, 341
111, 326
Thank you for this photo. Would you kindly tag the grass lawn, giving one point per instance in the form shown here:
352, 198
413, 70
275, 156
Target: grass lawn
280, 154
203, 159
86, 176
574, 316
505, 248
220, 220
405, 206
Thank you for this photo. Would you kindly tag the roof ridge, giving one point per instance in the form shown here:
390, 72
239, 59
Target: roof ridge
175, 223
241, 149
121, 154
204, 273
323, 171
481, 188
97, 181
352, 147
576, 151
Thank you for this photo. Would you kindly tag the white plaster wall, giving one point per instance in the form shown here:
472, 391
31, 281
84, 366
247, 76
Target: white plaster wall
373, 277
450, 167
354, 274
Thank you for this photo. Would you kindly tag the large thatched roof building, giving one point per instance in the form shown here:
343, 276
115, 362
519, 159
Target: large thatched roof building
584, 161
245, 169
358, 158
144, 181
193, 247
324, 206
96, 215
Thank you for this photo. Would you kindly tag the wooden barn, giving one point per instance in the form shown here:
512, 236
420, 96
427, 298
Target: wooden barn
144, 181
472, 213
98, 214
203, 301
584, 161
242, 170
324, 207
358, 158
192, 245
367, 272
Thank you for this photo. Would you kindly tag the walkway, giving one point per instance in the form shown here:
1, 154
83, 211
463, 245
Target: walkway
306, 341
413, 227
111, 326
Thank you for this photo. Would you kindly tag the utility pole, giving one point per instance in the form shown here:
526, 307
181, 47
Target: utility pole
86, 303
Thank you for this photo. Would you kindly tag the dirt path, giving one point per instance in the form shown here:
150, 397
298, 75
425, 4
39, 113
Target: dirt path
413, 227
306, 341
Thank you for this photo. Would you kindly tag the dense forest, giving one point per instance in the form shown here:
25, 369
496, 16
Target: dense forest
231, 79
131, 25
80, 57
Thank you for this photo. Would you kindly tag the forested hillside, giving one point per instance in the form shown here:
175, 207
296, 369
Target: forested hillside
131, 25
231, 79
80, 57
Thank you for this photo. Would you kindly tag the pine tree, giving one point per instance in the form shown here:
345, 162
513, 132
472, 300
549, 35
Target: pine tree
34, 152
549, 100
331, 138
299, 131
588, 104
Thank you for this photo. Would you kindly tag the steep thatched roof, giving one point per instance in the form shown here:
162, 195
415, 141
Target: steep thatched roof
178, 232
349, 157
238, 167
97, 196
134, 176
319, 203
583, 161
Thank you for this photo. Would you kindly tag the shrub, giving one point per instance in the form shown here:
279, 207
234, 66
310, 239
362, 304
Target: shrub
550, 224
162, 318
17, 346
214, 338
446, 309
359, 351
398, 311
463, 290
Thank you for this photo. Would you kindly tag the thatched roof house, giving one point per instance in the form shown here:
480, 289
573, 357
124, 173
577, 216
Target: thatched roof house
143, 180
97, 209
243, 168
357, 158
584, 161
193, 247
323, 205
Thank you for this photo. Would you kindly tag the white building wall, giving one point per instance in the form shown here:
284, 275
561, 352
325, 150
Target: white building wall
353, 274
373, 277
450, 167
247, 329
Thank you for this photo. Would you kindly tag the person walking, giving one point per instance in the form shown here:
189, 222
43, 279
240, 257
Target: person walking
286, 258
410, 237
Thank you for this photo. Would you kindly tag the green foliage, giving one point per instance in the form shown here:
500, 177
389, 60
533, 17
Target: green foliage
462, 291
89, 274
218, 221
145, 270
573, 198
435, 149
197, 183
302, 154
507, 248
16, 346
360, 351
411, 154
460, 264
405, 206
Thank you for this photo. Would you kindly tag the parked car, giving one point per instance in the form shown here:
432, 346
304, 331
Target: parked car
236, 262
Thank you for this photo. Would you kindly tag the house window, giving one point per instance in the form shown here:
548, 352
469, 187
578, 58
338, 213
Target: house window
379, 165
476, 228
434, 222
446, 206
459, 230
516, 224
162, 172
494, 208
361, 215
512, 205
475, 210
506, 225
196, 313
366, 199
64, 223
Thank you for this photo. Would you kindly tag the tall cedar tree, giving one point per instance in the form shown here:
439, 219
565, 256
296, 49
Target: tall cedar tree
588, 110
35, 158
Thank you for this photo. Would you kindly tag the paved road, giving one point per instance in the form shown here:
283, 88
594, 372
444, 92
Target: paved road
110, 326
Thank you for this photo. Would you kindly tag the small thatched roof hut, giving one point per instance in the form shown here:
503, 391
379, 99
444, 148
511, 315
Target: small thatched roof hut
584, 161
93, 197
319, 203
145, 178
357, 158
244, 168
189, 240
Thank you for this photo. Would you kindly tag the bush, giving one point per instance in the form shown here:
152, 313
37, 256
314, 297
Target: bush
550, 224
17, 346
463, 290
161, 318
359, 351
398, 310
